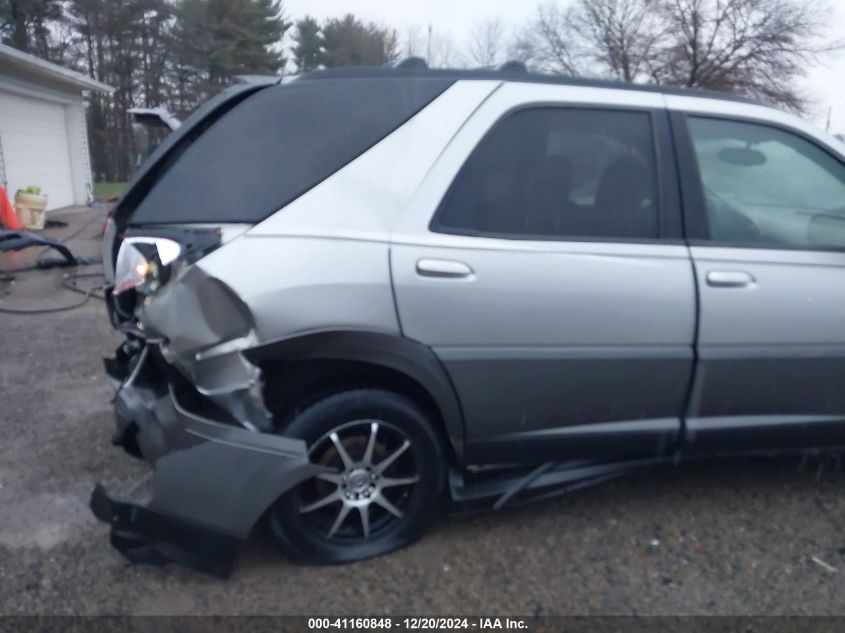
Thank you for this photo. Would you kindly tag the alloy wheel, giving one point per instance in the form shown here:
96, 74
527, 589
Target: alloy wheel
373, 479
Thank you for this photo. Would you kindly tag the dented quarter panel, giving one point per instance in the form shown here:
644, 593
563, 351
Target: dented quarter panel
305, 283
195, 312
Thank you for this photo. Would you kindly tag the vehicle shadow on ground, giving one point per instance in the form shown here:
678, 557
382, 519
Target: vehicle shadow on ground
714, 486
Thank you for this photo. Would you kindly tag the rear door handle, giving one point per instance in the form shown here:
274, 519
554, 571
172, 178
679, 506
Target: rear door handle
729, 279
444, 268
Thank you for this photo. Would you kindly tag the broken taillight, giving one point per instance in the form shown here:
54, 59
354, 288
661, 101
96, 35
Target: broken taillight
143, 264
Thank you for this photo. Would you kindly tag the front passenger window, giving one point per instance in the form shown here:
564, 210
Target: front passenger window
768, 187
559, 173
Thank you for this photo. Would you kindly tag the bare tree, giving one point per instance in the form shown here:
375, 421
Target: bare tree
553, 40
611, 38
523, 47
622, 36
486, 43
753, 47
444, 53
411, 42
434, 46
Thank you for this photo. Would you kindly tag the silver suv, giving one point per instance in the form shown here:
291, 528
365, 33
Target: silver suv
355, 298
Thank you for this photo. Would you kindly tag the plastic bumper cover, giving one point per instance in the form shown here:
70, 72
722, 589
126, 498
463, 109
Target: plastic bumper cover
212, 482
148, 537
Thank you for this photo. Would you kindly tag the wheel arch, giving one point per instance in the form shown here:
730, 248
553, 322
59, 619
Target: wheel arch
304, 366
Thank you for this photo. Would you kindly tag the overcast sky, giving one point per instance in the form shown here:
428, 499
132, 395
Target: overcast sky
824, 84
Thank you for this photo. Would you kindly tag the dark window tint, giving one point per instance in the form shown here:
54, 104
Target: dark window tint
278, 143
767, 186
558, 173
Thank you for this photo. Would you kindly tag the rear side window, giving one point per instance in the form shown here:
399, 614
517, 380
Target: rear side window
558, 173
768, 187
278, 143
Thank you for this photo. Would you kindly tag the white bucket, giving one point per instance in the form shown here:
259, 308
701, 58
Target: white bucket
23, 214
31, 210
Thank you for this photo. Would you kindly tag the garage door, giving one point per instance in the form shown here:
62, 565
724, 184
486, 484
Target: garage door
35, 147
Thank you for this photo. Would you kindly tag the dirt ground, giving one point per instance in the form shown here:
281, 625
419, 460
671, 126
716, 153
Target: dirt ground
726, 537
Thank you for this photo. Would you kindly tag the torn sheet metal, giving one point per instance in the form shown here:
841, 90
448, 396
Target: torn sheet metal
206, 326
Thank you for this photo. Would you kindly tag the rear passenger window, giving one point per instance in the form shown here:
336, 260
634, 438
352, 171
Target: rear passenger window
768, 187
558, 173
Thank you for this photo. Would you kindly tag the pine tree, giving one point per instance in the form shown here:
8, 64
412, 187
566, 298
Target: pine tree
350, 42
308, 48
25, 24
189, 47
244, 33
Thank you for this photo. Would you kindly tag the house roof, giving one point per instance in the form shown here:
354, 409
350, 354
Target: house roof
34, 66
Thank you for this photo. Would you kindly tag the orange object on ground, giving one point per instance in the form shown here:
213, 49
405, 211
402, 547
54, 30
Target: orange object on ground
8, 217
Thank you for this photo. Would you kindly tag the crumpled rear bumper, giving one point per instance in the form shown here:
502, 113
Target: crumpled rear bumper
213, 480
148, 537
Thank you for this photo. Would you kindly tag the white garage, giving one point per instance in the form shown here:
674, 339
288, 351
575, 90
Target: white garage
43, 135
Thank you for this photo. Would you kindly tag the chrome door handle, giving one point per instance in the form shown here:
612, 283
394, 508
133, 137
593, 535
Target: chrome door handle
729, 279
445, 268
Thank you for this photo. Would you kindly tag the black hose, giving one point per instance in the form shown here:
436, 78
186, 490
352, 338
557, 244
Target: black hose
68, 282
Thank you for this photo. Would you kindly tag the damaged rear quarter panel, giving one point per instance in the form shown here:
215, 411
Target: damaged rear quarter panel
293, 285
194, 314
255, 290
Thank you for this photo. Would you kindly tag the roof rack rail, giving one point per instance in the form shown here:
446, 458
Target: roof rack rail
411, 62
255, 79
513, 66
513, 71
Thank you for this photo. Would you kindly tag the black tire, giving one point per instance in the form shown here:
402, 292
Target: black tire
303, 535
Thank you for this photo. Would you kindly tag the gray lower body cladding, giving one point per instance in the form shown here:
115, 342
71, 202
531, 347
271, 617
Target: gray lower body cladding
213, 480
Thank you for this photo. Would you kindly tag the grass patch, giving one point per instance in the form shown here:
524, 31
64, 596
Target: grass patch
108, 190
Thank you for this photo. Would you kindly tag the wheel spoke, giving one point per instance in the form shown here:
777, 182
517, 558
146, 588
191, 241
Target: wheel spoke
371, 444
348, 464
387, 461
384, 503
341, 516
334, 478
321, 503
389, 482
364, 511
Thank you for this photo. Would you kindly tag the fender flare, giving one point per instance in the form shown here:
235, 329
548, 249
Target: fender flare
391, 351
